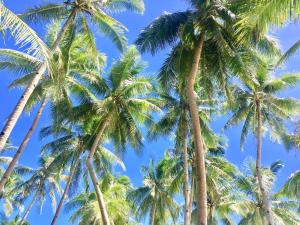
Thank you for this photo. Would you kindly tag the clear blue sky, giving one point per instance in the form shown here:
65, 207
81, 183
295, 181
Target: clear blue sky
135, 23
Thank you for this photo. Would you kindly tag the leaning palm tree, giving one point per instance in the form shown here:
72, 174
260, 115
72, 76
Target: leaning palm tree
72, 66
86, 210
202, 29
257, 106
125, 105
155, 197
71, 146
78, 14
284, 210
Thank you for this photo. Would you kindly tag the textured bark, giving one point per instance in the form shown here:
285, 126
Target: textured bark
186, 178
29, 208
264, 195
198, 140
14, 116
21, 148
66, 191
100, 198
152, 214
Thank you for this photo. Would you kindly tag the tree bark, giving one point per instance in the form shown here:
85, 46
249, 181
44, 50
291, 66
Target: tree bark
264, 194
153, 213
100, 198
14, 116
186, 178
198, 140
191, 201
23, 145
29, 208
66, 191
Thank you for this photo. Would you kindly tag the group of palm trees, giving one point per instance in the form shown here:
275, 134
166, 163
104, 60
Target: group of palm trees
222, 61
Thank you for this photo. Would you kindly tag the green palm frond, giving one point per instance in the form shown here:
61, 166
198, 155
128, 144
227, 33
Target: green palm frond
23, 34
161, 32
45, 13
111, 28
122, 5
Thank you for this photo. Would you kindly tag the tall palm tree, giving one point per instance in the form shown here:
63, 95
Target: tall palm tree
204, 28
284, 210
78, 14
72, 66
257, 106
176, 119
154, 197
85, 206
125, 105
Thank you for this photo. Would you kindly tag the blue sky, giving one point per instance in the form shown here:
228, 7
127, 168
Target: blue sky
8, 98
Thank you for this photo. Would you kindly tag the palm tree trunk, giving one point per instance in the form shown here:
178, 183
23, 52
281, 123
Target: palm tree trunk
153, 213
29, 208
100, 198
22, 146
198, 140
191, 201
14, 116
265, 201
66, 191
186, 178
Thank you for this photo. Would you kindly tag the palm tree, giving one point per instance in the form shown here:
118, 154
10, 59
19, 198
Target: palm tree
44, 181
176, 119
18, 174
78, 14
154, 197
70, 145
202, 29
257, 105
283, 209
125, 105
71, 67
85, 207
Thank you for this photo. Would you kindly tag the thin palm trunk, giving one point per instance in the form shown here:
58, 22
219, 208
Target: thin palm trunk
66, 191
14, 116
264, 195
23, 145
186, 178
153, 213
198, 140
100, 198
191, 201
29, 208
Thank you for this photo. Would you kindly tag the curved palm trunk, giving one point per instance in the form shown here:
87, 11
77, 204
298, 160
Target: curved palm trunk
198, 140
23, 145
186, 178
100, 198
265, 201
14, 116
29, 208
153, 213
66, 191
